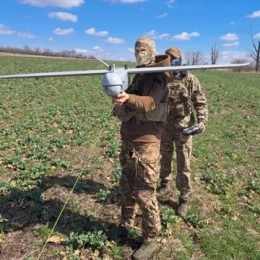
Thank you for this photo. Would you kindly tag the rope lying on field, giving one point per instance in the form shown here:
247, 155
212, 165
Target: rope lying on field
85, 159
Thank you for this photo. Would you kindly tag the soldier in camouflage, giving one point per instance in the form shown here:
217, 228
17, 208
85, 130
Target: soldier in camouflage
186, 95
142, 109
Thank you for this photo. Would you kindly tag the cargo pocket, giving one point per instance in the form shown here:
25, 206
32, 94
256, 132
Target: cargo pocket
148, 169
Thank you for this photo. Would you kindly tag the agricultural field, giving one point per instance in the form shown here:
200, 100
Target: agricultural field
59, 170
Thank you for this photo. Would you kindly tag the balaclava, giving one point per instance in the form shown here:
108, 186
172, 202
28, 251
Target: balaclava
147, 56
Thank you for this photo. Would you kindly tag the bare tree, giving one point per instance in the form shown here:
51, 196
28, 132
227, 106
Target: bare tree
188, 58
214, 54
255, 53
194, 58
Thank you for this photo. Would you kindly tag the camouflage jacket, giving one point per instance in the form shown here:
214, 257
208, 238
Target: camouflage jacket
187, 96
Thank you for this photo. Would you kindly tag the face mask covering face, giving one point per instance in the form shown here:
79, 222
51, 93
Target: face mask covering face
176, 62
143, 57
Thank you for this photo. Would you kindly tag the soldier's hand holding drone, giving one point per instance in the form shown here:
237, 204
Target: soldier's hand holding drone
120, 99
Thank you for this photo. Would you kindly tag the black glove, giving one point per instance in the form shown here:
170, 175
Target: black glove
192, 130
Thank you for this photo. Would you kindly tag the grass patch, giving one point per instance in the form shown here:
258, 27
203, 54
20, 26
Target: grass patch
52, 129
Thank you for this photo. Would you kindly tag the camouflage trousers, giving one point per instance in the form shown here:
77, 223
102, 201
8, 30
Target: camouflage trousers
172, 137
140, 164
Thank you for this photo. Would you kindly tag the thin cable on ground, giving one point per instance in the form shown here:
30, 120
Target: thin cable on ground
85, 159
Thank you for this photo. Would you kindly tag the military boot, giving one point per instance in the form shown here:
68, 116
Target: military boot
165, 189
147, 250
182, 208
118, 232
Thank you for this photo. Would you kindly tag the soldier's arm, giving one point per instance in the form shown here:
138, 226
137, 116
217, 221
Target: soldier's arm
155, 94
199, 101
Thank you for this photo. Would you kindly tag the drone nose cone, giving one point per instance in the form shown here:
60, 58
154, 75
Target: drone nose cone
112, 83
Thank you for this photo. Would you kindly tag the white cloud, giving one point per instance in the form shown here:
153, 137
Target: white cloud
255, 14
50, 39
6, 30
92, 31
97, 49
169, 3
151, 34
256, 36
154, 35
115, 40
231, 44
63, 16
25, 35
162, 36
131, 50
185, 36
232, 23
162, 15
81, 50
63, 31
229, 37
55, 3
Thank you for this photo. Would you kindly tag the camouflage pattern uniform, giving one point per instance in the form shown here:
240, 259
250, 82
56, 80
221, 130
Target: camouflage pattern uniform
140, 172
186, 95
142, 118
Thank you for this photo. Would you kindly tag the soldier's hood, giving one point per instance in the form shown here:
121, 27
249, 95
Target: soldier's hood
160, 61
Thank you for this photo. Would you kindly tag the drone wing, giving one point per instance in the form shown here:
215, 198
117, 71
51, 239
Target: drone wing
56, 74
113, 69
181, 68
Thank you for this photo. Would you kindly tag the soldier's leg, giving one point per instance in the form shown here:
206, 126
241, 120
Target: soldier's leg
166, 151
145, 187
128, 162
183, 184
128, 203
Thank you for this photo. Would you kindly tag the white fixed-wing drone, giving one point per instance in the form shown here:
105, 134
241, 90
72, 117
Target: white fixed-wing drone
116, 80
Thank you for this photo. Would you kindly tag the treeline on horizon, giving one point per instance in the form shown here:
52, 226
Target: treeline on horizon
45, 52
26, 50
